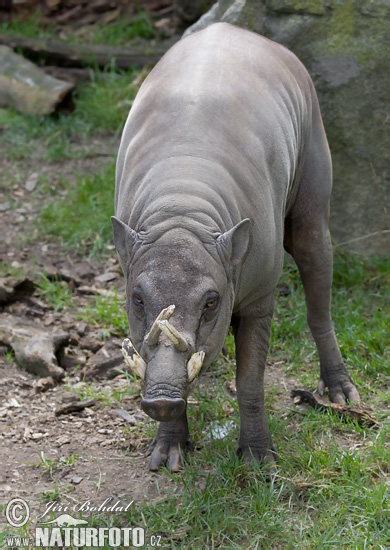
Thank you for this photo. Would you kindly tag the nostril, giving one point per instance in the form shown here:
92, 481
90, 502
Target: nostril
164, 409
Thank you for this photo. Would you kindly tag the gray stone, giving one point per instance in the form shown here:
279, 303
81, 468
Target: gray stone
34, 347
107, 358
345, 46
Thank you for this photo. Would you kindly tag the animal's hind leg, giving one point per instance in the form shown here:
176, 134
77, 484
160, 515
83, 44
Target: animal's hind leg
307, 238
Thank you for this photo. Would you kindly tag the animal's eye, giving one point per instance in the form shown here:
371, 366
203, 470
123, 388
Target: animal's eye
138, 300
211, 303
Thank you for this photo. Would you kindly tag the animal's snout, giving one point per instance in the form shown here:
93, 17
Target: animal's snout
164, 409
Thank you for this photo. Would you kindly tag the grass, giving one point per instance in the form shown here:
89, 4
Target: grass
101, 108
325, 494
81, 216
55, 292
51, 464
360, 305
331, 486
123, 31
108, 313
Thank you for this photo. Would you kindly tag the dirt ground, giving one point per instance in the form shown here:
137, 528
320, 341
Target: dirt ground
109, 449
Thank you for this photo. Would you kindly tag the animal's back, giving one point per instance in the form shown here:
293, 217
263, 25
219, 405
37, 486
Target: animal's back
217, 134
224, 96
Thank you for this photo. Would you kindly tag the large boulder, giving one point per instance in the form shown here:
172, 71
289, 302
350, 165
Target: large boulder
345, 45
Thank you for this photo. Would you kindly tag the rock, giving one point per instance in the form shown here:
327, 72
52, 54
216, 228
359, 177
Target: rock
62, 440
31, 182
69, 358
107, 358
44, 384
81, 328
34, 347
130, 418
14, 288
76, 480
106, 277
27, 88
345, 47
189, 10
91, 343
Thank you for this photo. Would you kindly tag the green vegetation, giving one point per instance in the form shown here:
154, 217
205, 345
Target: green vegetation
107, 312
81, 216
330, 488
56, 293
125, 30
101, 108
361, 301
51, 495
10, 271
32, 27
51, 464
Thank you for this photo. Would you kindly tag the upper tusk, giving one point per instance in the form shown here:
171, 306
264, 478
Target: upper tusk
133, 359
154, 333
194, 365
174, 335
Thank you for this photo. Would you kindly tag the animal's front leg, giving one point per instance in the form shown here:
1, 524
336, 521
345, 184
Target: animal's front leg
252, 340
169, 445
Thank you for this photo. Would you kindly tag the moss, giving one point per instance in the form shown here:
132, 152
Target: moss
348, 32
313, 7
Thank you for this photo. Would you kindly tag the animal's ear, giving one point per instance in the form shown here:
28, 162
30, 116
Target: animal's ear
124, 239
234, 243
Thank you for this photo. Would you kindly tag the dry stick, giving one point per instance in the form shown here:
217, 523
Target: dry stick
75, 407
78, 55
361, 416
380, 232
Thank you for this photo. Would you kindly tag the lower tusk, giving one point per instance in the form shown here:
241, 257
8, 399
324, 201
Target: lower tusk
152, 336
133, 359
173, 334
194, 365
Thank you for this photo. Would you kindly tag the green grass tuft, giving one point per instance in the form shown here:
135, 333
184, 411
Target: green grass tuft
123, 31
107, 312
101, 108
55, 292
81, 216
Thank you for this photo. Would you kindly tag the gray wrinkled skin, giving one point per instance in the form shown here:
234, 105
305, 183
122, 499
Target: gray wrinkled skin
223, 162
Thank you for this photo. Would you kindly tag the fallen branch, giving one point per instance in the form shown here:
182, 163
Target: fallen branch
79, 55
361, 416
74, 407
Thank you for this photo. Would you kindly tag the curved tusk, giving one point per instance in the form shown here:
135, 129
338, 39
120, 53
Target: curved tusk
194, 365
133, 359
174, 335
152, 337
